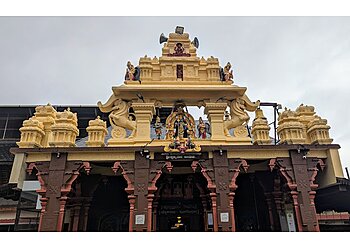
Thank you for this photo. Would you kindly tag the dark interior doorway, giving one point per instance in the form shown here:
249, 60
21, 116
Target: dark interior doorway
182, 202
109, 209
251, 211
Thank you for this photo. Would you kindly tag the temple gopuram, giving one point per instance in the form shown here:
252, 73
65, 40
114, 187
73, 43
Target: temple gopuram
148, 165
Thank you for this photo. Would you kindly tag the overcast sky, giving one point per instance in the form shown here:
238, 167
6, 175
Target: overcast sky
76, 60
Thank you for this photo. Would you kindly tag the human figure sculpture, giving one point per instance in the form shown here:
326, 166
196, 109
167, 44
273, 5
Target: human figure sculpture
158, 128
202, 130
180, 127
179, 49
228, 72
130, 72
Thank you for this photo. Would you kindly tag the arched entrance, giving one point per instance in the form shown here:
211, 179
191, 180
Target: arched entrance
181, 201
109, 209
251, 211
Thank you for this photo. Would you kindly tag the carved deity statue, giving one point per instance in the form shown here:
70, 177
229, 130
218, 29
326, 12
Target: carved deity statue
180, 131
158, 128
180, 127
228, 73
130, 71
202, 129
179, 49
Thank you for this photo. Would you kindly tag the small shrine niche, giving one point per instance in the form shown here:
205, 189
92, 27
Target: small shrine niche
180, 72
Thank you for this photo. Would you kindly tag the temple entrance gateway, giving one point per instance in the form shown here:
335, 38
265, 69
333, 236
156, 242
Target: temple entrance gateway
181, 202
109, 211
251, 210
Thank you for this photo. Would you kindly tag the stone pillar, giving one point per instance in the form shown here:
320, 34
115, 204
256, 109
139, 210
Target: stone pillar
150, 198
86, 208
43, 201
56, 178
144, 113
232, 211
141, 167
277, 198
213, 197
215, 113
268, 199
60, 219
154, 218
307, 212
76, 217
222, 181
53, 204
132, 209
294, 195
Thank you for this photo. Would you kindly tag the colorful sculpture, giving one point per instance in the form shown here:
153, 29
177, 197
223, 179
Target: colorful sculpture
226, 73
132, 73
158, 128
203, 129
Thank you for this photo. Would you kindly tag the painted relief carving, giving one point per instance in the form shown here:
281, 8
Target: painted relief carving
180, 127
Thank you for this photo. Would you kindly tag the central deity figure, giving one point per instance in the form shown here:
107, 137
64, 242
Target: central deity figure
180, 126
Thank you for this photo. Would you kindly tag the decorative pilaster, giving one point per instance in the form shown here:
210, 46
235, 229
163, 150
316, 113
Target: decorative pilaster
97, 132
144, 113
215, 113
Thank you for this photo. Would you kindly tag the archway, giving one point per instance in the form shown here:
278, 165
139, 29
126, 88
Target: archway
251, 210
109, 209
182, 200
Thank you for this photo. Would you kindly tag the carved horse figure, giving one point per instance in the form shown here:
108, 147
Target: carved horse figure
239, 115
119, 117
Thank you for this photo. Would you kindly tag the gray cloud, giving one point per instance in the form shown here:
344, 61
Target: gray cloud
76, 60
